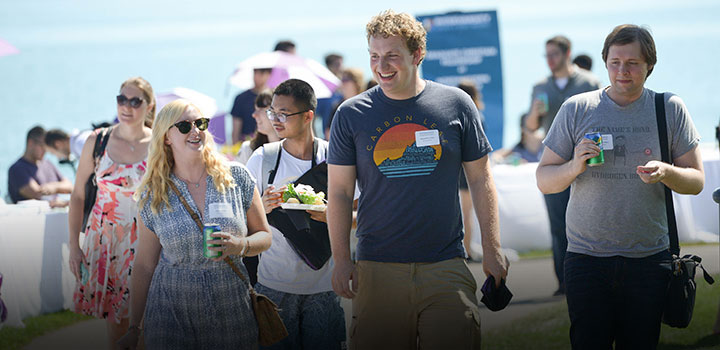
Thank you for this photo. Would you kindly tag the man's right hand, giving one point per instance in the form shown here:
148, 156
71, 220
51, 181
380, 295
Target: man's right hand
584, 150
272, 199
343, 273
538, 107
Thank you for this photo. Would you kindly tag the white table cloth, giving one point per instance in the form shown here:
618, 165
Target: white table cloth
34, 262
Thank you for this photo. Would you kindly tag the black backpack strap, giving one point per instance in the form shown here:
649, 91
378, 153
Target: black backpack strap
665, 155
101, 142
315, 148
270, 163
273, 172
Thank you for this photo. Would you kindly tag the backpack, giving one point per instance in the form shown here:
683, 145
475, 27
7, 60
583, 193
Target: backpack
308, 238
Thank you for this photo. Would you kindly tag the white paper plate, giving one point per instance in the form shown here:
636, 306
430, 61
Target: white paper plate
296, 206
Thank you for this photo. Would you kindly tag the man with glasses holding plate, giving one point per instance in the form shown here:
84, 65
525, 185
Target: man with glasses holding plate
308, 306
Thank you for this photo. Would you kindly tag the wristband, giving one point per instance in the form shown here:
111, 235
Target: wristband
246, 248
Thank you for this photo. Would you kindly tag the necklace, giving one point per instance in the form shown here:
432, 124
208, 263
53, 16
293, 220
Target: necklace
129, 143
196, 183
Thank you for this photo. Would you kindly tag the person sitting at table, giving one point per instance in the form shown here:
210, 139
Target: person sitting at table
528, 150
33, 177
103, 264
183, 299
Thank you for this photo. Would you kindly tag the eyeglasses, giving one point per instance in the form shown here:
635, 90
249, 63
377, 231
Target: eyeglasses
281, 117
134, 102
185, 125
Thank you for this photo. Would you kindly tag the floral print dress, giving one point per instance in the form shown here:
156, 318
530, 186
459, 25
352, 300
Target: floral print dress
110, 242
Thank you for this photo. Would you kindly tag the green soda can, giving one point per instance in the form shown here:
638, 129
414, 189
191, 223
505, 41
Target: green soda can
209, 229
600, 158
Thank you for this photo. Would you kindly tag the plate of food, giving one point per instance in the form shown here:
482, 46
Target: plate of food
303, 197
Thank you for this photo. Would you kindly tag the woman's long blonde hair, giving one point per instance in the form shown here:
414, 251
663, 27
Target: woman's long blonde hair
160, 162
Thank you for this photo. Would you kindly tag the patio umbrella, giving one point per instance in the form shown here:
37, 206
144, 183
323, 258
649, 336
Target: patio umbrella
285, 66
6, 49
206, 104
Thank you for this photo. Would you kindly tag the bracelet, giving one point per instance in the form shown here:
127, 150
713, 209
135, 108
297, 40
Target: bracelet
246, 248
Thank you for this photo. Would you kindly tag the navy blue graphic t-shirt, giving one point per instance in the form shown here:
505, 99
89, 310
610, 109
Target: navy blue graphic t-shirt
408, 155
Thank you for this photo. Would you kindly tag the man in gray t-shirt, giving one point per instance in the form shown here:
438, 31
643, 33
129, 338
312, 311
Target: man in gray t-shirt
616, 268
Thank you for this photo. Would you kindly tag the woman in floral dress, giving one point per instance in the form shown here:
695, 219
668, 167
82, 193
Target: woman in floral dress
103, 264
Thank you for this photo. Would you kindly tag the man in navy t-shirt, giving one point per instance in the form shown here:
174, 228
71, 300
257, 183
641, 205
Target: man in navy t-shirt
405, 141
33, 177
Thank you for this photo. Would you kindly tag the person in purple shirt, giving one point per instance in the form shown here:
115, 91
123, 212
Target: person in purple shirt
33, 177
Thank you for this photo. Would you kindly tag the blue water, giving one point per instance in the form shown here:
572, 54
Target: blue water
75, 54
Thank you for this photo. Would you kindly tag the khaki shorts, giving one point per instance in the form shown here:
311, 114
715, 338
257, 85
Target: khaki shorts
415, 305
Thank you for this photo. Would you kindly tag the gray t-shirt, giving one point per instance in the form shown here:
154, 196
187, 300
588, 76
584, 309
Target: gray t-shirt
578, 82
611, 211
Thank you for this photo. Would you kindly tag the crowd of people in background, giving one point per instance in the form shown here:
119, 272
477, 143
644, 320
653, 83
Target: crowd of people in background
141, 265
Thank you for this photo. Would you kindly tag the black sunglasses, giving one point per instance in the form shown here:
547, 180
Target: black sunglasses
134, 102
185, 125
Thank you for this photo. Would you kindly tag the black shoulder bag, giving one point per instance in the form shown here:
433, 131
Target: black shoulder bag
103, 135
309, 238
680, 297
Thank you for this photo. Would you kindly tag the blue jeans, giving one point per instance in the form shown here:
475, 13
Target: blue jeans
616, 299
556, 204
313, 321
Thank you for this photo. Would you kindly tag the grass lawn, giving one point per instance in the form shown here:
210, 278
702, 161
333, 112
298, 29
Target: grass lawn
549, 328
536, 254
547, 253
15, 338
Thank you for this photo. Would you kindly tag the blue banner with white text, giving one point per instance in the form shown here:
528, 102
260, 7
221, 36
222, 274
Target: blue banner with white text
466, 46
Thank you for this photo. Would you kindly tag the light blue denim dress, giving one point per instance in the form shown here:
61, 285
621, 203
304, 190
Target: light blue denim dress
193, 302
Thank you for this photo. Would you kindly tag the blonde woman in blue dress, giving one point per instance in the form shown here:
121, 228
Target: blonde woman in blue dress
180, 298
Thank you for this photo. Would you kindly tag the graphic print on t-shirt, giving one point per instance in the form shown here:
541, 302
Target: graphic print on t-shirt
631, 148
396, 153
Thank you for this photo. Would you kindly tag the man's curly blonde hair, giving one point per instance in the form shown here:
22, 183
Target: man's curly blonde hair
389, 23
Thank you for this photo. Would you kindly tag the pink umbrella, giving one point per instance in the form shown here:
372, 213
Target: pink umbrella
285, 66
205, 103
6, 49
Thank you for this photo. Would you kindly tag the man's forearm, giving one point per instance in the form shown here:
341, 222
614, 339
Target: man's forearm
532, 121
554, 178
485, 203
64, 186
339, 216
684, 180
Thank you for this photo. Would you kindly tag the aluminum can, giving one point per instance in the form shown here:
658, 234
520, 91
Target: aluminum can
209, 229
600, 158
543, 96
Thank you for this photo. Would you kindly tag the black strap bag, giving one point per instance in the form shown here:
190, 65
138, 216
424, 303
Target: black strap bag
308, 238
680, 296
103, 135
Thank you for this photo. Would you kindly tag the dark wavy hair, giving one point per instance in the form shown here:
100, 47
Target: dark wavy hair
263, 100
